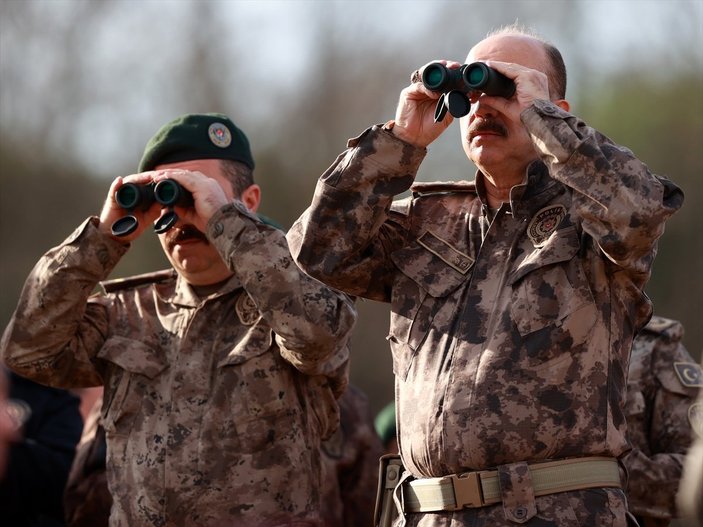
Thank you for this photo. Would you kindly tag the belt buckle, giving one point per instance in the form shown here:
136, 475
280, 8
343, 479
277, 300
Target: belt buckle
467, 490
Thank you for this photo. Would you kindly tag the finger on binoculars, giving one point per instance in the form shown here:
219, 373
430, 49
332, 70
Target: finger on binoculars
418, 90
451, 64
508, 69
188, 179
116, 183
176, 174
140, 179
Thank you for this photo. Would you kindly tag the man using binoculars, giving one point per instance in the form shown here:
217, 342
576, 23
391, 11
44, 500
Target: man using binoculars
514, 297
221, 375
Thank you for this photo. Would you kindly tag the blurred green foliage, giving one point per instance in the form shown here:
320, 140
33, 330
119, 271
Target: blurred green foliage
661, 121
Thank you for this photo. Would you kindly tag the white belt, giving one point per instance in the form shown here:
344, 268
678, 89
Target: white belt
481, 488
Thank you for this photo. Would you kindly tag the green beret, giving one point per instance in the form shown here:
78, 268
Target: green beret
197, 136
385, 423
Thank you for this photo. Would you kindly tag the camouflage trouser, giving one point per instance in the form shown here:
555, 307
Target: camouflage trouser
585, 508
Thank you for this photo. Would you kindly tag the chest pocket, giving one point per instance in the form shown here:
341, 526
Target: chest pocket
252, 372
430, 270
255, 401
133, 368
552, 302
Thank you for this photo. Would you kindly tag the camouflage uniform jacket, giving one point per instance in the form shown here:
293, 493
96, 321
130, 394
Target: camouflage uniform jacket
661, 390
510, 333
214, 408
350, 462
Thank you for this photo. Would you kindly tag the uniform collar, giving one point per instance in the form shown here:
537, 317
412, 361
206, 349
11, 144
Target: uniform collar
184, 294
526, 198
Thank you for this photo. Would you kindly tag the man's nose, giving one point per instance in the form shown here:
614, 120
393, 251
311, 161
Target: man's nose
479, 107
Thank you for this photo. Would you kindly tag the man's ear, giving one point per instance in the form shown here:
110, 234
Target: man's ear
251, 197
563, 104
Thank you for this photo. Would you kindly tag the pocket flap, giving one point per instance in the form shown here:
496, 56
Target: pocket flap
133, 356
561, 246
434, 264
257, 340
683, 378
635, 402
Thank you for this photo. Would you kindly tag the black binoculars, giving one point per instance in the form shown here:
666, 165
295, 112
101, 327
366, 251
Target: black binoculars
457, 82
130, 196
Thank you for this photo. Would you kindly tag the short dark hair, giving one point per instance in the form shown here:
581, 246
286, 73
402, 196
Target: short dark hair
557, 73
239, 175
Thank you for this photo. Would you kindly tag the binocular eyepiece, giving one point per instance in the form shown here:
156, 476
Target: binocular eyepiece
130, 196
454, 83
167, 192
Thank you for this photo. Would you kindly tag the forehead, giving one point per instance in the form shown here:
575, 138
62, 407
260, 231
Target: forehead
518, 49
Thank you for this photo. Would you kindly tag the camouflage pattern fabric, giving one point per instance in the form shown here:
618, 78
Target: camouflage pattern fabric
214, 408
87, 500
350, 463
688, 498
661, 389
510, 331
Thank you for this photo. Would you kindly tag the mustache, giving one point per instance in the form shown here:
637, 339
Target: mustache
185, 232
487, 125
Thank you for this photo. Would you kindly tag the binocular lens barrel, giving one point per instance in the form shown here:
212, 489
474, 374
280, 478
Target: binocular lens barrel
131, 196
478, 76
127, 196
434, 76
166, 192
475, 76
169, 193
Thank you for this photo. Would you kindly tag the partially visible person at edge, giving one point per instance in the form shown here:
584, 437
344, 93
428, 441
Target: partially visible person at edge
87, 500
350, 459
689, 498
384, 423
514, 298
221, 374
48, 425
662, 386
8, 426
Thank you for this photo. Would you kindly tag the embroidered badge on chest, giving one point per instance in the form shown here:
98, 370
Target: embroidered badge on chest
544, 223
246, 310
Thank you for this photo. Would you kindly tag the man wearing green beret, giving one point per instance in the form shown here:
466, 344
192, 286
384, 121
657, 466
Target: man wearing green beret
386, 428
221, 374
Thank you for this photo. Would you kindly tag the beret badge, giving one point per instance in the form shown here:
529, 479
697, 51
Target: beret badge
219, 135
